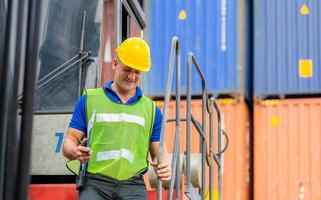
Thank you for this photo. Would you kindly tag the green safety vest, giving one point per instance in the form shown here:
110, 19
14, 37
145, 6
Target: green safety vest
120, 135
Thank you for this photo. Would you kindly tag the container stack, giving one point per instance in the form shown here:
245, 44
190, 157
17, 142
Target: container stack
215, 32
235, 159
287, 89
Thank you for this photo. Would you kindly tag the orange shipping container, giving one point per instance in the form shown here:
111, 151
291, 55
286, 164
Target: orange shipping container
287, 149
236, 158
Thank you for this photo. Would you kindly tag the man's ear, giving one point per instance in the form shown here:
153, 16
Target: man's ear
114, 63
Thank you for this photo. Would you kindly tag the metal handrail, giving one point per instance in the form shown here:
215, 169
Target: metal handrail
192, 60
220, 150
226, 145
203, 148
211, 155
174, 53
207, 107
217, 159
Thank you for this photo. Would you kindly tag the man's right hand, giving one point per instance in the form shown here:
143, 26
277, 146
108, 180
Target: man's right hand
83, 153
74, 148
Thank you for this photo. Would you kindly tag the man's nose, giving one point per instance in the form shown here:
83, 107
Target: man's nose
132, 75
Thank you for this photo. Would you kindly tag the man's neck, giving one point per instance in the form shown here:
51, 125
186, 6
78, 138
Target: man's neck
123, 95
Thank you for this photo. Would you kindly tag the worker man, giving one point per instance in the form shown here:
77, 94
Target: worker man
120, 126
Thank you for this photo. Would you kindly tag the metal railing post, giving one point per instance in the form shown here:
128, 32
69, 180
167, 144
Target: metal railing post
175, 53
201, 128
191, 60
188, 126
219, 146
210, 153
203, 146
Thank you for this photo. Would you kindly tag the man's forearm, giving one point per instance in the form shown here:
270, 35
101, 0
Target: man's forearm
69, 149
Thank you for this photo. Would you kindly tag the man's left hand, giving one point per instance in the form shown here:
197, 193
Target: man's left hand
163, 170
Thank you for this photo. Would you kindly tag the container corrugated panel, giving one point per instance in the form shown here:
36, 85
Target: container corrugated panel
287, 47
236, 158
213, 30
287, 144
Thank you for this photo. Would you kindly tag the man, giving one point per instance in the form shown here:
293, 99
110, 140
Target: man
125, 125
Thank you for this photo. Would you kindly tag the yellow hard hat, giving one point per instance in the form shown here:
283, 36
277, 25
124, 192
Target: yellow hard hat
134, 53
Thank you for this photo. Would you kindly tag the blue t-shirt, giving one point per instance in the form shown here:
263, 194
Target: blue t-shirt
78, 120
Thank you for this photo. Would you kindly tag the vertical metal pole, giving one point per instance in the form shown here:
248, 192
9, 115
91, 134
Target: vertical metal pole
175, 169
201, 146
7, 86
175, 158
211, 151
118, 21
188, 123
219, 147
13, 139
81, 51
204, 96
178, 117
178, 174
165, 112
28, 99
220, 155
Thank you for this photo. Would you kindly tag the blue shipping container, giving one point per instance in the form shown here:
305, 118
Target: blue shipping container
287, 49
215, 31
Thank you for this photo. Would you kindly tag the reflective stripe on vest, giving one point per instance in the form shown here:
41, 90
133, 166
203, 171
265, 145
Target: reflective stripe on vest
115, 154
122, 117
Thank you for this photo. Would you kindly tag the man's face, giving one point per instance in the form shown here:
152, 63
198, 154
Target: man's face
126, 78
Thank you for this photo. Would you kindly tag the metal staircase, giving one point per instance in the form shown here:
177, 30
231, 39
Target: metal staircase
208, 156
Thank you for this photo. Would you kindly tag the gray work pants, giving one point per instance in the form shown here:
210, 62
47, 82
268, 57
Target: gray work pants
101, 187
